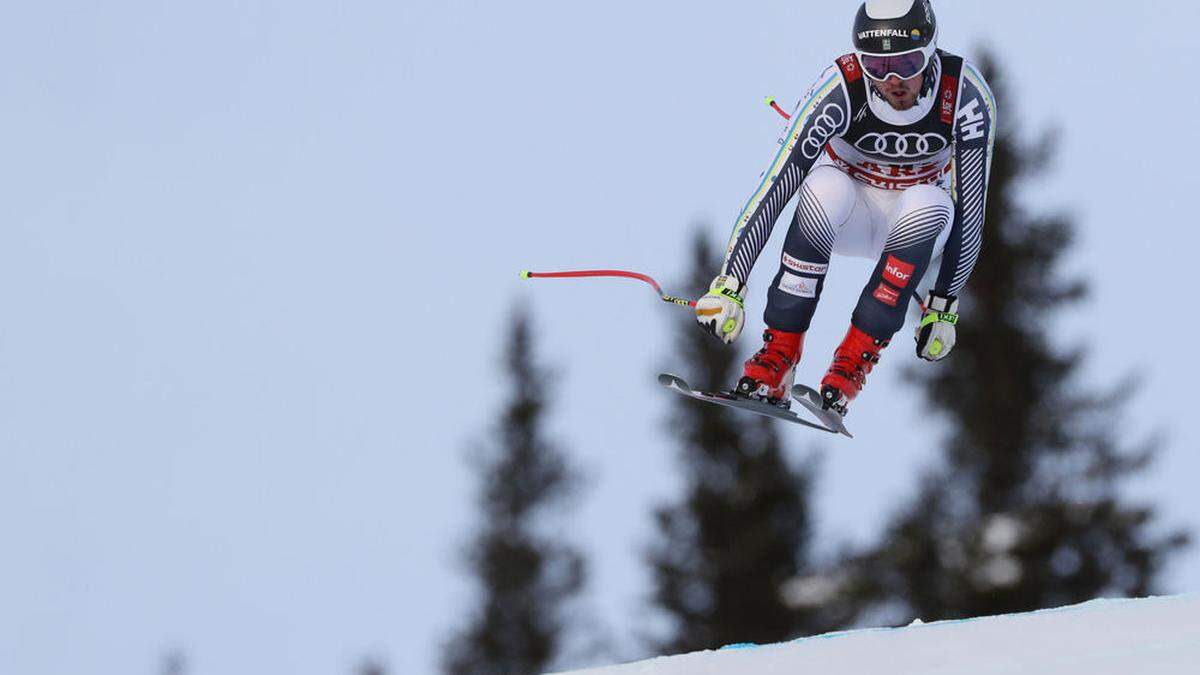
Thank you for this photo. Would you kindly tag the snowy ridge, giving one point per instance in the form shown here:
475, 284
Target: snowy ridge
1151, 636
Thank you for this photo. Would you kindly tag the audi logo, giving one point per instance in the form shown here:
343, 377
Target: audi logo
822, 127
897, 145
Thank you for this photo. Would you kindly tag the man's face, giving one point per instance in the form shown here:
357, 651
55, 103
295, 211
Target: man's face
901, 94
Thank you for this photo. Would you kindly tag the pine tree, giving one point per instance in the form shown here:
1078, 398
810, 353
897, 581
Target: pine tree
174, 662
1025, 509
728, 551
526, 575
371, 666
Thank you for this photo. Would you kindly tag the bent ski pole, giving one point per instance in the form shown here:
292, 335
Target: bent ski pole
770, 100
623, 274
576, 274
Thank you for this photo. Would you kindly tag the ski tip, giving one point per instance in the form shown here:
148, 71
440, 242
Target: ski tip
666, 379
524, 274
811, 399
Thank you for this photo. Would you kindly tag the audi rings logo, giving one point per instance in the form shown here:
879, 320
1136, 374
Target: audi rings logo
823, 127
897, 145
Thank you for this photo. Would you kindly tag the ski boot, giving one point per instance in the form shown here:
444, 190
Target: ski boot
852, 360
769, 373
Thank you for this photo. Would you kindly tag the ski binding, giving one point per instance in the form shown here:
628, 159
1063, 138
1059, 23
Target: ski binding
731, 400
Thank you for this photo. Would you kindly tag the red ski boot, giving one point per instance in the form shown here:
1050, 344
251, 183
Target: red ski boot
852, 360
769, 373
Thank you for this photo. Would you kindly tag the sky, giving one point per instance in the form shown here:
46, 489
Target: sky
258, 258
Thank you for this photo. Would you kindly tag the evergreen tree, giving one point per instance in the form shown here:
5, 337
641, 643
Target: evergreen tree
728, 551
1025, 510
526, 576
174, 663
371, 666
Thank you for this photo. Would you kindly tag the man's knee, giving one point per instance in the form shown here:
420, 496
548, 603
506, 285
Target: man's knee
832, 192
922, 214
922, 198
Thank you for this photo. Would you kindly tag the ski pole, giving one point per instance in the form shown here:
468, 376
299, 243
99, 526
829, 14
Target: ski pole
576, 274
919, 301
770, 100
683, 302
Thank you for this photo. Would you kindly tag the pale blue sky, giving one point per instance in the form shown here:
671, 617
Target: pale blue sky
257, 257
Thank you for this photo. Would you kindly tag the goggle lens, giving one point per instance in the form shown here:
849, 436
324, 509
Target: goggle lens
904, 66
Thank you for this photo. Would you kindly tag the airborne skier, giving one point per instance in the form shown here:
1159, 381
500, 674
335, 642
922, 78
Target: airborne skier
890, 151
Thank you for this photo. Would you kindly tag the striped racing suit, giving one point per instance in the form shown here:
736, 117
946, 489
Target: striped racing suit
905, 188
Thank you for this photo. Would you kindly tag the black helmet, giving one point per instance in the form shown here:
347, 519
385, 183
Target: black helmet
895, 37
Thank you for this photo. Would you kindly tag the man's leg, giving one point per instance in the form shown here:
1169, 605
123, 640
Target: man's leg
935, 263
827, 202
921, 216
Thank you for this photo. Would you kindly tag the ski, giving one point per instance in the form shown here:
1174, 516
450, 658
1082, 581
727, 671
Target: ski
811, 400
680, 386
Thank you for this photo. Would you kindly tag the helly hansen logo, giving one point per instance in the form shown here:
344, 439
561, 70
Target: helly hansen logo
897, 271
970, 121
887, 295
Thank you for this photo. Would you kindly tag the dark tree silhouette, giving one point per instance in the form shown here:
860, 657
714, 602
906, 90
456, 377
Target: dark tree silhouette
731, 548
371, 666
1024, 510
174, 662
526, 575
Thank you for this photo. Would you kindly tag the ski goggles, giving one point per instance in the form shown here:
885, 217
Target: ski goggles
905, 66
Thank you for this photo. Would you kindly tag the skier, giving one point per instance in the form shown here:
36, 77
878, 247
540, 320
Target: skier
890, 151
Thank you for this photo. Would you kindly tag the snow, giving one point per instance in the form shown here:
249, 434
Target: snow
1151, 636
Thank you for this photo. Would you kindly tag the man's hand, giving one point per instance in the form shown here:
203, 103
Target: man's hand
936, 334
721, 311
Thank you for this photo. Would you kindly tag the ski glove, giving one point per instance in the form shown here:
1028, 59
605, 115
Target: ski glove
936, 334
721, 311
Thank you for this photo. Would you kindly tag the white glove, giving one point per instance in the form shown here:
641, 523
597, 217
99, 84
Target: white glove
936, 333
721, 311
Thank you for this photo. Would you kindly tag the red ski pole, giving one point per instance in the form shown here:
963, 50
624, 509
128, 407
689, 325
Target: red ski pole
683, 302
576, 274
770, 100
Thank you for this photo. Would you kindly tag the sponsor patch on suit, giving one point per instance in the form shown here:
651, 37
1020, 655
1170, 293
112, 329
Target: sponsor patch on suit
897, 271
794, 284
887, 295
804, 266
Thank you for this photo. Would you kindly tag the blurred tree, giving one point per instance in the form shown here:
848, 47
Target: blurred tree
732, 551
174, 662
1024, 511
526, 575
371, 666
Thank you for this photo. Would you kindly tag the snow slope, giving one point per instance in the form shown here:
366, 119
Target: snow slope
1153, 636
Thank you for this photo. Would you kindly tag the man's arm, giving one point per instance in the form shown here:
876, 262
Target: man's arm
974, 137
822, 114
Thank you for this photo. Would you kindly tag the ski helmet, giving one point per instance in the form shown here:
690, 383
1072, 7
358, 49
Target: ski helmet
895, 37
